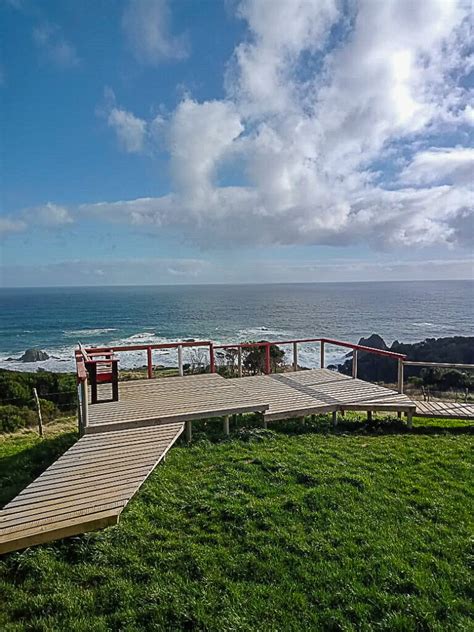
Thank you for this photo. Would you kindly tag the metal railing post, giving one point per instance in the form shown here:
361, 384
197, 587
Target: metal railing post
180, 360
149, 363
400, 375
355, 354
295, 356
322, 354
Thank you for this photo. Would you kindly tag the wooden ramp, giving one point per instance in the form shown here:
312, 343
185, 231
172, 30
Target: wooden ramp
445, 410
87, 488
320, 391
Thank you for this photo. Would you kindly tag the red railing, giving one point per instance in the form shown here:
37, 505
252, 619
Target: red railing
149, 348
245, 345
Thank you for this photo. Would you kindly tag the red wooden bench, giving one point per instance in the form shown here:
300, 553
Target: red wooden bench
102, 368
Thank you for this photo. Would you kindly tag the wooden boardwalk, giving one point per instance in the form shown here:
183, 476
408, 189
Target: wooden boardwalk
85, 489
88, 487
320, 391
446, 410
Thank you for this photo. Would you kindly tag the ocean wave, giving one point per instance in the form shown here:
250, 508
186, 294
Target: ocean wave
88, 332
262, 331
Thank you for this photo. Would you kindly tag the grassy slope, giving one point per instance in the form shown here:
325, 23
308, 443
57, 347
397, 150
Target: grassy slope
290, 530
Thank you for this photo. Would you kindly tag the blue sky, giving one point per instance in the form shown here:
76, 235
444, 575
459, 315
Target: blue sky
150, 141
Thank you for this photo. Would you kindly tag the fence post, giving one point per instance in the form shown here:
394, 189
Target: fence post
38, 409
180, 360
267, 359
295, 356
355, 354
149, 363
400, 375
239, 360
322, 354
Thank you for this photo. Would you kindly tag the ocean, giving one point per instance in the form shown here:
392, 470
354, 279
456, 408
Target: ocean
55, 319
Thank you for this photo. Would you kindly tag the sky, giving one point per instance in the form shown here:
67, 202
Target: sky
235, 141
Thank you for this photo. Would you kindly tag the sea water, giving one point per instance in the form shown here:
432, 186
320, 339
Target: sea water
55, 319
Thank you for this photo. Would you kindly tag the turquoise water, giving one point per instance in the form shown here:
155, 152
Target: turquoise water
55, 319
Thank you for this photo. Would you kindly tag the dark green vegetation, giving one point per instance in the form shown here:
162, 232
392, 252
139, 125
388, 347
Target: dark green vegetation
295, 528
452, 350
57, 392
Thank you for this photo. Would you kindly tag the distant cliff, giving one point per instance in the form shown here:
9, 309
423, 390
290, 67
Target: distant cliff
455, 349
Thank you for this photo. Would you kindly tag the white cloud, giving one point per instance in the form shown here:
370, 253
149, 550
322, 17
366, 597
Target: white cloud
448, 164
11, 225
50, 215
47, 215
172, 271
146, 24
323, 106
55, 48
130, 130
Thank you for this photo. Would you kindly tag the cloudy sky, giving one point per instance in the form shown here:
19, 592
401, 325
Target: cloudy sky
195, 141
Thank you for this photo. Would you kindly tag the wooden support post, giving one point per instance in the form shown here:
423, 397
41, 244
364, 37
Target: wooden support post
354, 363
212, 362
239, 360
115, 388
180, 360
226, 425
267, 359
295, 356
79, 412
410, 420
322, 354
265, 425
189, 431
85, 405
400, 375
38, 409
334, 419
149, 363
369, 415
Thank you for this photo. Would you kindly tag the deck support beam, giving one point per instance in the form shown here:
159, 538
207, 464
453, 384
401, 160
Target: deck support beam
226, 425
369, 415
334, 419
189, 431
410, 420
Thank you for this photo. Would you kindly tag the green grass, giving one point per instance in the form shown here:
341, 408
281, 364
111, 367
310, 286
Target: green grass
294, 528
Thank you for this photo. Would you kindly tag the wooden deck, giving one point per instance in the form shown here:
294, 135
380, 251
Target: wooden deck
164, 400
87, 488
446, 410
320, 391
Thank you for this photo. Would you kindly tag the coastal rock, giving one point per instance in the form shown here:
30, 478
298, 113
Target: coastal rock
375, 341
34, 355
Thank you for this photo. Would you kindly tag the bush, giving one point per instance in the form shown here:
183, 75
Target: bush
14, 417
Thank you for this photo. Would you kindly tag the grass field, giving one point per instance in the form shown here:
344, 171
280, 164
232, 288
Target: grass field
295, 528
